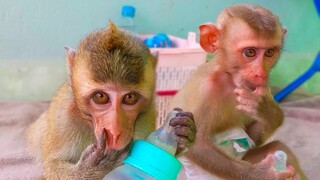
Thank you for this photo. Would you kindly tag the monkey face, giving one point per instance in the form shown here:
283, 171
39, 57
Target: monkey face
112, 76
114, 111
252, 54
112, 108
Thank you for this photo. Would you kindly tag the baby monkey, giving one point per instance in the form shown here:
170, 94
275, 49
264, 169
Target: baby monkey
107, 101
231, 101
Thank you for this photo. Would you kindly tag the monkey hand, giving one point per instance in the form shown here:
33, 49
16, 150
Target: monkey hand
101, 159
259, 105
265, 170
184, 130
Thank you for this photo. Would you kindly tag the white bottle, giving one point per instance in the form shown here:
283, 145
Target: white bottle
151, 159
126, 21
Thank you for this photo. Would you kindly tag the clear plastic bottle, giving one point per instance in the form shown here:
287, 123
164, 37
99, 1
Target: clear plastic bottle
126, 21
151, 159
164, 136
280, 160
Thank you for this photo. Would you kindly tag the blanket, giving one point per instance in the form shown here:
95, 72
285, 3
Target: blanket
300, 131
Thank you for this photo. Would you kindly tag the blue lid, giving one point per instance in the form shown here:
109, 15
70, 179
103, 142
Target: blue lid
159, 41
153, 160
128, 11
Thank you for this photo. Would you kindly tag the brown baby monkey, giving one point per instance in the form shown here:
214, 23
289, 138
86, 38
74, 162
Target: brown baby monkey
107, 102
231, 101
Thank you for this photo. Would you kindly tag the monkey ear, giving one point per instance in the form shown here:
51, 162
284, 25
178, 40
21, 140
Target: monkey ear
284, 31
71, 53
209, 35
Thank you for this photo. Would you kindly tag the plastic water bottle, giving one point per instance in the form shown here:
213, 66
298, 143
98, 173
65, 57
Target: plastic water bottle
280, 160
126, 21
151, 159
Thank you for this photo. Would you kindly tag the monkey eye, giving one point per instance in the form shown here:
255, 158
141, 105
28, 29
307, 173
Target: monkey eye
130, 98
249, 52
269, 52
101, 98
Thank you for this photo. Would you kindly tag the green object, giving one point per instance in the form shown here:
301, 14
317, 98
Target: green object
153, 160
235, 147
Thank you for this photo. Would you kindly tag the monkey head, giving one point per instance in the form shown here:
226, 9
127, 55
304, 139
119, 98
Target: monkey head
112, 79
248, 41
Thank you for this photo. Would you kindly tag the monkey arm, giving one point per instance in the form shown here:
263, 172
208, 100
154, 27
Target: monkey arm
270, 119
59, 169
67, 147
61, 158
212, 159
265, 113
70, 161
93, 164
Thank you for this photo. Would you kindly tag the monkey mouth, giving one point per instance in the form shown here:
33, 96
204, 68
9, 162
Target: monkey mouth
250, 86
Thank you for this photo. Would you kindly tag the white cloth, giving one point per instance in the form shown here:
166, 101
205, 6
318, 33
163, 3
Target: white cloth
234, 142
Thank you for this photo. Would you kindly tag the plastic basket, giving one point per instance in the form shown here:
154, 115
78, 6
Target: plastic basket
174, 68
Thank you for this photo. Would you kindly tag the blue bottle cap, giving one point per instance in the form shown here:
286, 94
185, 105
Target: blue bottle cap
128, 11
153, 160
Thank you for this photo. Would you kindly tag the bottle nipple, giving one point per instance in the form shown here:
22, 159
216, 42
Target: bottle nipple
280, 160
164, 136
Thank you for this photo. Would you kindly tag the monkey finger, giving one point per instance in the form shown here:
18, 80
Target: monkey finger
103, 140
261, 90
180, 122
115, 157
86, 153
96, 156
185, 132
185, 113
241, 91
247, 102
245, 108
183, 143
243, 101
91, 159
248, 110
112, 154
244, 93
284, 174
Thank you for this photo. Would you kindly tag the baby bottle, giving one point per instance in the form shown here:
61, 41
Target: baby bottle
153, 158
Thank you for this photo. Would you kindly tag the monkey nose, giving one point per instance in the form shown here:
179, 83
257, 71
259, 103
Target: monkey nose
113, 138
261, 75
260, 78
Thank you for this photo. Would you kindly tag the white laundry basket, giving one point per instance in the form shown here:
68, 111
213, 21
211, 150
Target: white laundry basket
174, 67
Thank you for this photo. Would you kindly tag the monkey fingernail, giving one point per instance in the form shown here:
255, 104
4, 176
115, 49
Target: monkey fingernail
177, 109
186, 113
